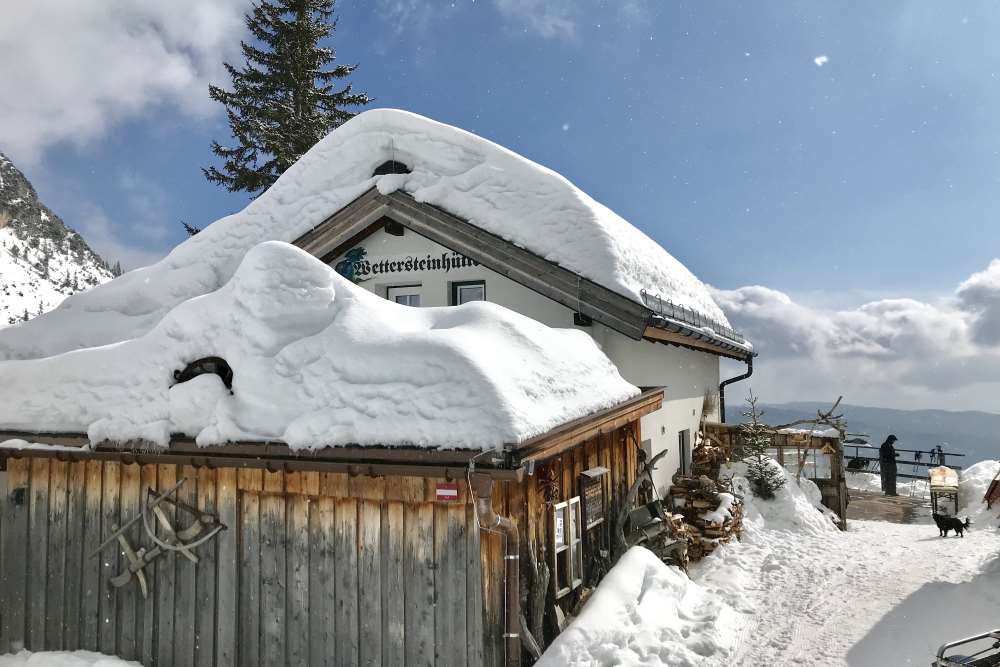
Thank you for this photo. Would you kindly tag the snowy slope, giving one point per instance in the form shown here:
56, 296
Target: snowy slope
41, 260
471, 177
796, 591
319, 361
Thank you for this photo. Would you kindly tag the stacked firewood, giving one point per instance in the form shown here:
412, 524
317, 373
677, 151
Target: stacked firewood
710, 514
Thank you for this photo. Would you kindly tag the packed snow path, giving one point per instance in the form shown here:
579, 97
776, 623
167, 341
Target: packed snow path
879, 594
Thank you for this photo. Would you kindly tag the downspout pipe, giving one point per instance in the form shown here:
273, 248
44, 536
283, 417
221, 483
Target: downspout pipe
489, 520
724, 383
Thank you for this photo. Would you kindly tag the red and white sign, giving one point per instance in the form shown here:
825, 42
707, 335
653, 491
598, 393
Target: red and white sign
447, 491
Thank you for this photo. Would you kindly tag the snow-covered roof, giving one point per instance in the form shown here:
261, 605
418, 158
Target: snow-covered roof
470, 177
319, 361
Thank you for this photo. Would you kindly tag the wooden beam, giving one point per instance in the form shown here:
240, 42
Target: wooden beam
657, 334
573, 433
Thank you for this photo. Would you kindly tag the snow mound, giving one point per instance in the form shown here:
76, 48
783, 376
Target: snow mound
319, 361
972, 486
488, 185
645, 613
63, 659
796, 506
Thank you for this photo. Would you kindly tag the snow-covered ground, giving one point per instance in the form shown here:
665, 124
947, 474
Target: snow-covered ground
796, 591
867, 481
63, 659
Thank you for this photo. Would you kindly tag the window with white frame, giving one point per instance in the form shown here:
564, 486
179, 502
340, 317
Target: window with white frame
407, 295
466, 291
567, 546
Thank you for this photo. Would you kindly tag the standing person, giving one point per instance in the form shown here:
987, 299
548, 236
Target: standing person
887, 463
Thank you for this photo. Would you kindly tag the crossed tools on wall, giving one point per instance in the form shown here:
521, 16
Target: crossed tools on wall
184, 541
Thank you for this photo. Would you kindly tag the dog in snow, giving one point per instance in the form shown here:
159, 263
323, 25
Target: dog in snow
946, 523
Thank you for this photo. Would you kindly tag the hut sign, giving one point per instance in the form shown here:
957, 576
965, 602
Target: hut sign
447, 491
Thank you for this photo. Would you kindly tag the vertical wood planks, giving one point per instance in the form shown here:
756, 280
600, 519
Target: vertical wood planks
55, 576
322, 527
227, 572
15, 545
249, 591
185, 573
108, 622
129, 596
473, 588
393, 581
165, 577
38, 519
346, 559
370, 582
272, 571
91, 579
297, 601
204, 618
75, 553
449, 545
418, 568
146, 618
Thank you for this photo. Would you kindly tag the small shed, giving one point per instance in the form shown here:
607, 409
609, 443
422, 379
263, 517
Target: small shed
816, 454
342, 556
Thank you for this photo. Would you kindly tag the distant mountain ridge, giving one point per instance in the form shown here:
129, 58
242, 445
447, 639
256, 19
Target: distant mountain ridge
42, 261
971, 432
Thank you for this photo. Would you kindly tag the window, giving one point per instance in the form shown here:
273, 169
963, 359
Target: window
684, 449
567, 547
407, 295
466, 291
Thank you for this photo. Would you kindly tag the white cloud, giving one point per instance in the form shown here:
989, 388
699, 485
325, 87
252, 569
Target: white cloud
72, 69
548, 18
821, 60
889, 352
148, 204
96, 227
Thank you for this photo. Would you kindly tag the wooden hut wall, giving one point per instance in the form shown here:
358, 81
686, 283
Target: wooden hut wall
529, 504
314, 569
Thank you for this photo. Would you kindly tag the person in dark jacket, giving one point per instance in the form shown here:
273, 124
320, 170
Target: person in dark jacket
887, 464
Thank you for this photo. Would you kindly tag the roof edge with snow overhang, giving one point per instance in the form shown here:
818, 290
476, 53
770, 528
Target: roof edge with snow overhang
653, 318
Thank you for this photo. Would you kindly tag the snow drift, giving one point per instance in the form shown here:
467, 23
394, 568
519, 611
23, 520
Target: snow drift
488, 185
319, 361
645, 613
972, 486
63, 659
796, 506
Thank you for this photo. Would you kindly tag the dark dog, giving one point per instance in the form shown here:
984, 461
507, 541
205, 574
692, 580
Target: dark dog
946, 523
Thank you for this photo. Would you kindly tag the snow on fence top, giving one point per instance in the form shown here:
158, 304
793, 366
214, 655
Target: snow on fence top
486, 184
319, 361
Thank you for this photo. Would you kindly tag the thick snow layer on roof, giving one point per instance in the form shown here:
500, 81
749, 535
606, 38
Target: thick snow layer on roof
473, 178
319, 361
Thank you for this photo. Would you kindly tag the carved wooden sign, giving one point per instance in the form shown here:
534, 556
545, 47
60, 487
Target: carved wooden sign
592, 490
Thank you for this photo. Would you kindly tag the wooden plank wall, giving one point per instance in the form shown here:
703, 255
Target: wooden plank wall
315, 568
526, 504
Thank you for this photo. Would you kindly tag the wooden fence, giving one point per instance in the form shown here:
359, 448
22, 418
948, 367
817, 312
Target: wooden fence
314, 569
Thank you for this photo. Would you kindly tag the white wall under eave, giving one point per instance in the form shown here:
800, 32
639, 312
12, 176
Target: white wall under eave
686, 375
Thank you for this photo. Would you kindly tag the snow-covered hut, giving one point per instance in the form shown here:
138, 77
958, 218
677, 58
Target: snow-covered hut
426, 214
350, 481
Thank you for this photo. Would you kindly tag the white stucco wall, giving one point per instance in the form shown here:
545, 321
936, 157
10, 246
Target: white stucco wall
685, 374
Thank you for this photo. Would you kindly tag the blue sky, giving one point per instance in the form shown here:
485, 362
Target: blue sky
711, 126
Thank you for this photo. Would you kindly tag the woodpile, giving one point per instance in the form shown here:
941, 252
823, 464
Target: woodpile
703, 513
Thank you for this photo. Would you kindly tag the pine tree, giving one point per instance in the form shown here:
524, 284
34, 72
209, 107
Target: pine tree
763, 473
190, 229
284, 99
